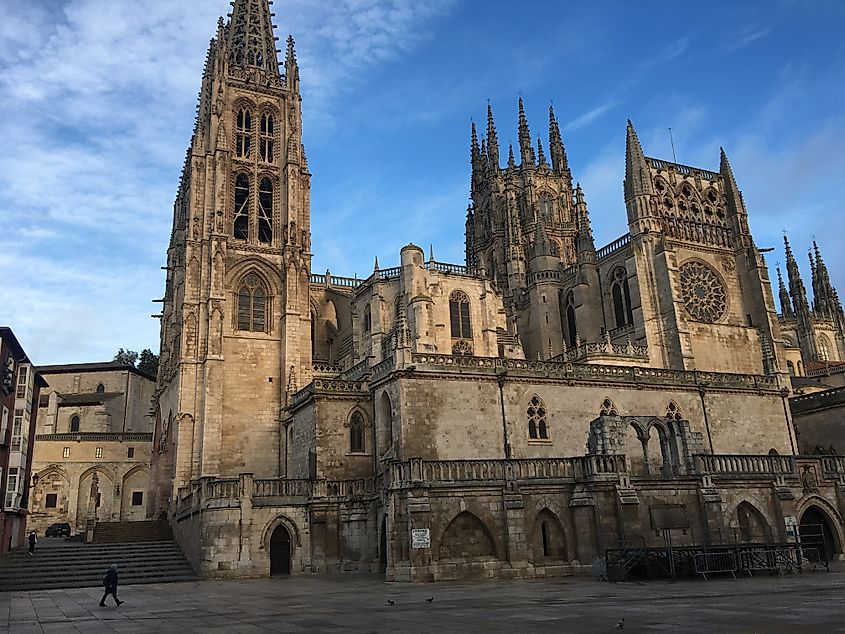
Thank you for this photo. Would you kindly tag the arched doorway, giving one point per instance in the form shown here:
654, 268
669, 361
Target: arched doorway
280, 551
816, 532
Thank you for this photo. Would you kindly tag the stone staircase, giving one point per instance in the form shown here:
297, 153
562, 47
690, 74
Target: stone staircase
62, 564
131, 532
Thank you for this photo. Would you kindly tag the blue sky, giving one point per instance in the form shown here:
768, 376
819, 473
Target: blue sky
97, 103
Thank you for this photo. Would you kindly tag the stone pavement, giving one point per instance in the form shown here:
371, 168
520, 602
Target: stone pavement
812, 602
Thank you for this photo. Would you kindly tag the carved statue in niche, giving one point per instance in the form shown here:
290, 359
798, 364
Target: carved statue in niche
809, 481
219, 219
162, 441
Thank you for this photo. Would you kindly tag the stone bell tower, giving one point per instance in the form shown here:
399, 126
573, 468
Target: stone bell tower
235, 324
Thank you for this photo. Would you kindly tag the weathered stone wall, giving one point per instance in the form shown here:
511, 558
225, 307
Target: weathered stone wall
820, 421
459, 417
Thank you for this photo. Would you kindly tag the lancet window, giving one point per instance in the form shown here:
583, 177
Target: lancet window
459, 315
252, 305
241, 225
266, 138
265, 210
356, 433
538, 426
621, 294
243, 133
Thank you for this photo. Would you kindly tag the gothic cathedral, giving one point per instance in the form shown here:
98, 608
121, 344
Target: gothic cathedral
511, 416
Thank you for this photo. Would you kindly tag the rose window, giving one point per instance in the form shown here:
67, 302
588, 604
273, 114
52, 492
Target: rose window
703, 292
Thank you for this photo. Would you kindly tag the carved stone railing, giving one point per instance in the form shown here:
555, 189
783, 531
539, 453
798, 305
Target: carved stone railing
599, 466
685, 170
553, 275
281, 487
328, 280
732, 465
832, 465
332, 385
98, 436
383, 367
695, 231
357, 371
223, 489
326, 369
614, 246
604, 348
447, 471
634, 374
452, 269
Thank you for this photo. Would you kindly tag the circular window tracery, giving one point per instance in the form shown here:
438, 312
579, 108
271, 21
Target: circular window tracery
703, 292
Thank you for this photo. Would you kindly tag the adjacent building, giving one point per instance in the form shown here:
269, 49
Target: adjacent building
93, 421
20, 387
512, 416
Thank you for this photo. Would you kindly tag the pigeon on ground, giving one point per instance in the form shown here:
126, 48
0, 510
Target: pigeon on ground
429, 599
620, 624
391, 602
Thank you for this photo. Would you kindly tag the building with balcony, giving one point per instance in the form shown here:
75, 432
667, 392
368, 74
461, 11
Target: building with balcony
20, 387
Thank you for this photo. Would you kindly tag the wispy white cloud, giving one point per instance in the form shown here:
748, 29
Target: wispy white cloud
591, 115
96, 109
748, 34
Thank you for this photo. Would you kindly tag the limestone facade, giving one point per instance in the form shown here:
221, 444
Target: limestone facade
511, 416
94, 419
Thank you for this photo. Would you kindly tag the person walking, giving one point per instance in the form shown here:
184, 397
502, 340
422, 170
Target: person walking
33, 539
110, 583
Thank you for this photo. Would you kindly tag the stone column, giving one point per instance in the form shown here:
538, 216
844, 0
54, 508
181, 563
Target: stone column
246, 528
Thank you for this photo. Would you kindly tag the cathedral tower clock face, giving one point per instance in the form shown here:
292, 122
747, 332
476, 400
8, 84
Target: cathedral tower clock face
703, 292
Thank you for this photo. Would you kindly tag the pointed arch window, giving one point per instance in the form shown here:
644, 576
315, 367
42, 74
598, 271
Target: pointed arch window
252, 305
241, 224
546, 207
265, 210
571, 327
459, 315
673, 412
538, 426
356, 433
621, 294
266, 138
608, 408
243, 133
824, 348
368, 319
74, 423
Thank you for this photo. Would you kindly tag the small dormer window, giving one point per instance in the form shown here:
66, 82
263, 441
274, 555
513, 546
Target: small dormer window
101, 388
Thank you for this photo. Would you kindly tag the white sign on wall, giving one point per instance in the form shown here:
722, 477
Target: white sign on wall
420, 538
791, 526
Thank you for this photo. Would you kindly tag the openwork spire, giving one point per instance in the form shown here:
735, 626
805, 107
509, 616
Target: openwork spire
584, 237
525, 147
637, 178
822, 288
492, 139
252, 46
560, 163
783, 296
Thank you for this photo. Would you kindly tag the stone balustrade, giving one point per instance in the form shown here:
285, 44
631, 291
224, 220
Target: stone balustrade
637, 375
745, 466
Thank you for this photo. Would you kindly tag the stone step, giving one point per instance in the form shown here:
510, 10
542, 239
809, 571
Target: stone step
147, 530
85, 565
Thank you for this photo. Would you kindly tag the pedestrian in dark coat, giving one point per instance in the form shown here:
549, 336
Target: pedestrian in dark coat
33, 539
110, 583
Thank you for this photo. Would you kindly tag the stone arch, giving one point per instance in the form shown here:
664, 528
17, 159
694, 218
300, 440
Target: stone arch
357, 417
136, 480
105, 510
280, 520
548, 539
752, 524
636, 437
833, 537
252, 264
384, 416
51, 480
281, 542
466, 538
608, 407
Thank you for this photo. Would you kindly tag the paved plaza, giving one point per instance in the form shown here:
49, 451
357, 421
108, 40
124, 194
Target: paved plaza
354, 603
